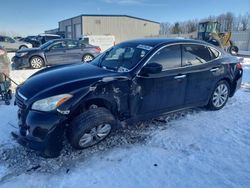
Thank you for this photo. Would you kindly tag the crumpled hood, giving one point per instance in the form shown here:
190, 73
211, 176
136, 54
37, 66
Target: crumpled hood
65, 77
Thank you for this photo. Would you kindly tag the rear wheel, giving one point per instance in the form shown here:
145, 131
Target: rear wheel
90, 127
220, 96
87, 58
36, 62
233, 50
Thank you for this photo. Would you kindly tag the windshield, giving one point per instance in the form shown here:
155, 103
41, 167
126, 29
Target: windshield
45, 45
122, 58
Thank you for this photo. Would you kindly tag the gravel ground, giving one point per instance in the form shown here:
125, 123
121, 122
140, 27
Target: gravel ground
19, 159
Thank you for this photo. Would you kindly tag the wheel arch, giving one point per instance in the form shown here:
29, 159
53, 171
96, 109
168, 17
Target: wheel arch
99, 102
23, 45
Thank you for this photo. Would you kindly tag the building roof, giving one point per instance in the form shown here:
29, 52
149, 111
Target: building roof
114, 15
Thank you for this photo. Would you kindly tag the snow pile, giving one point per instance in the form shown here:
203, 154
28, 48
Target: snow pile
201, 149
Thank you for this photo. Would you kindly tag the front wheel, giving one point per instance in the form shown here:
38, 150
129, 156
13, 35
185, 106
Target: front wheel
90, 127
36, 62
219, 96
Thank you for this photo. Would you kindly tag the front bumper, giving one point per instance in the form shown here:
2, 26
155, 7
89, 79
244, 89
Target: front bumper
41, 131
20, 62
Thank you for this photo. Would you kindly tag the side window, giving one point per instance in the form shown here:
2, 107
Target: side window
72, 44
169, 57
1, 39
8, 39
58, 45
194, 54
214, 52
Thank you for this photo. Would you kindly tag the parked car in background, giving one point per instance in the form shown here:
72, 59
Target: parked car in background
17, 38
32, 40
43, 38
133, 81
11, 45
55, 52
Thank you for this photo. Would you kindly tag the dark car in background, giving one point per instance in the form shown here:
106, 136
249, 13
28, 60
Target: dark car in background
43, 38
32, 40
55, 52
132, 81
38, 40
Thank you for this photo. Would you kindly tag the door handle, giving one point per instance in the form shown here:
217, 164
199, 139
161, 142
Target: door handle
214, 69
180, 76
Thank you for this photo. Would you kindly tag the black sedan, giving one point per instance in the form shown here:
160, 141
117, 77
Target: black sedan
55, 52
132, 81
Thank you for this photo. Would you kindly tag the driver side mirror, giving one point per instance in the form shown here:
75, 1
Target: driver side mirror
151, 68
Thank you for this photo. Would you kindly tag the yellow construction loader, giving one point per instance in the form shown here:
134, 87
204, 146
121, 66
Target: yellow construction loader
209, 31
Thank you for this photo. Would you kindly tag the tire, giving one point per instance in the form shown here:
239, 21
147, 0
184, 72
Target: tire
87, 58
233, 50
23, 47
36, 62
219, 96
90, 127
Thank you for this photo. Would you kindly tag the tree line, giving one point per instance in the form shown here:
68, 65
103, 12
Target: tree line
228, 21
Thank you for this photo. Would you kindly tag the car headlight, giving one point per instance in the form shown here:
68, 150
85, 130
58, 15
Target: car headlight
50, 103
21, 54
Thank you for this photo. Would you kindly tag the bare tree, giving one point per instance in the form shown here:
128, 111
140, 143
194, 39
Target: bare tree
245, 21
229, 17
165, 28
176, 29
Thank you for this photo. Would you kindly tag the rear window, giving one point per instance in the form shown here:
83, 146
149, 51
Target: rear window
215, 53
194, 54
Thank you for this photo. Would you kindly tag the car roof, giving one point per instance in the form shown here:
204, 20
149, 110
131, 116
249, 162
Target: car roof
58, 40
157, 41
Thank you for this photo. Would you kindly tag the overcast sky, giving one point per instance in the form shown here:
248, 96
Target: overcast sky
35, 16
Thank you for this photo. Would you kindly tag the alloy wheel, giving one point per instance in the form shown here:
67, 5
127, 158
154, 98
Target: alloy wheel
220, 95
87, 58
36, 63
95, 135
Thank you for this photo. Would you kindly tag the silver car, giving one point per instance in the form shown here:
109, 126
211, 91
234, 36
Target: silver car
12, 45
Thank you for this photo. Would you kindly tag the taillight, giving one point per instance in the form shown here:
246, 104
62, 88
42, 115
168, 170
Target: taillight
238, 66
2, 52
98, 49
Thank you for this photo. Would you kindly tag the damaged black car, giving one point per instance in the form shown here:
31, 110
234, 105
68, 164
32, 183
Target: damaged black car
132, 81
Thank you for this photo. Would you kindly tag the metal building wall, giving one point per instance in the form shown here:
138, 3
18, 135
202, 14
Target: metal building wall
122, 27
70, 22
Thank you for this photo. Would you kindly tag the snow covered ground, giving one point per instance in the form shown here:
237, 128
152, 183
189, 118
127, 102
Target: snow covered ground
193, 148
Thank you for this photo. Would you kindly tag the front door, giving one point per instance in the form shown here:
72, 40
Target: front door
56, 53
163, 91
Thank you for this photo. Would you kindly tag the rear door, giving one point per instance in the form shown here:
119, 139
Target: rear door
74, 51
56, 54
163, 91
202, 71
